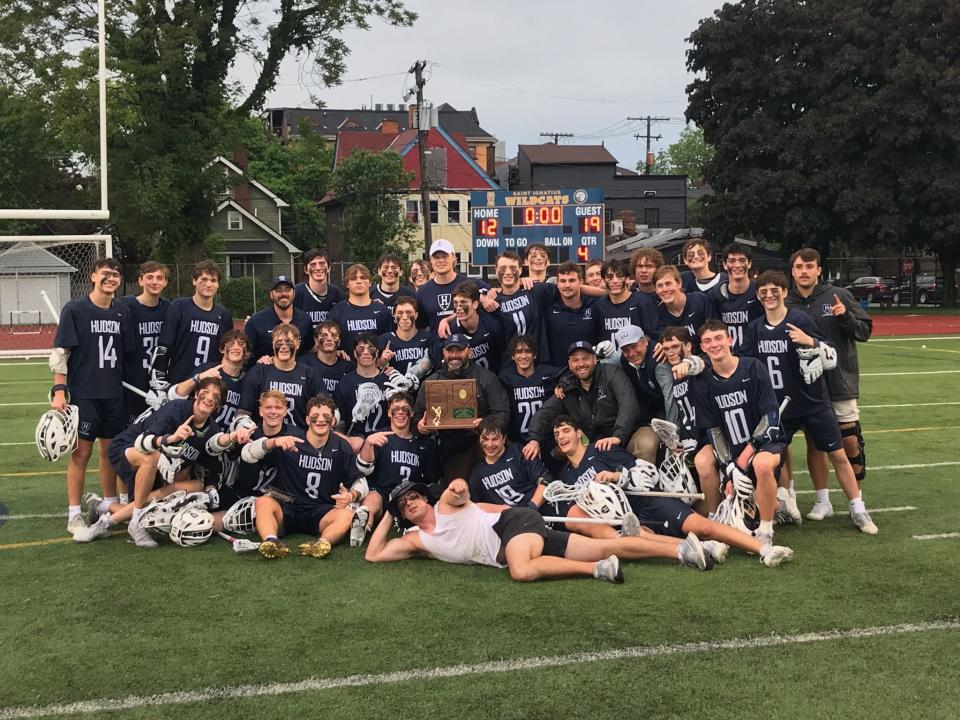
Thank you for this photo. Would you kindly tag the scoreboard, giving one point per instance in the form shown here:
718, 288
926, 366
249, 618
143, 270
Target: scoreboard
570, 223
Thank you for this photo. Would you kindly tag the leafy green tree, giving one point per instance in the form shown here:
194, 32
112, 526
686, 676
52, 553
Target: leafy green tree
370, 186
174, 102
689, 155
844, 136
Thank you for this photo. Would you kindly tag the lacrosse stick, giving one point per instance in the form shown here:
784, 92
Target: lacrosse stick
668, 434
56, 317
240, 545
659, 494
747, 454
600, 521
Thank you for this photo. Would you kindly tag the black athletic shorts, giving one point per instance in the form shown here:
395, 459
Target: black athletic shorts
100, 418
822, 428
305, 523
525, 521
662, 510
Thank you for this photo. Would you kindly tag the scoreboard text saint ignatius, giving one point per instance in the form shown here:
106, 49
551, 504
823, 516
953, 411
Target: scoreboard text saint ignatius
570, 223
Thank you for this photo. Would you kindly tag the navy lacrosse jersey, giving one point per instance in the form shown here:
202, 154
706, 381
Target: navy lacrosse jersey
165, 421
145, 323
772, 346
565, 325
734, 404
736, 310
526, 395
192, 337
435, 300
328, 375
413, 459
298, 384
522, 312
232, 400
357, 320
684, 395
487, 344
595, 461
318, 307
98, 339
260, 325
388, 299
239, 479
690, 283
510, 480
312, 476
408, 352
346, 398
698, 309
612, 316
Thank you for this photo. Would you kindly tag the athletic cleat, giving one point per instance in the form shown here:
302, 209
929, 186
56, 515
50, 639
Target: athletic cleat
787, 511
76, 523
99, 529
609, 569
141, 536
358, 530
864, 523
630, 526
92, 503
692, 554
319, 549
273, 549
822, 509
774, 555
764, 538
716, 550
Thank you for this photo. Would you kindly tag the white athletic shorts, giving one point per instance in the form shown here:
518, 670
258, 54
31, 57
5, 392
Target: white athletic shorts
847, 410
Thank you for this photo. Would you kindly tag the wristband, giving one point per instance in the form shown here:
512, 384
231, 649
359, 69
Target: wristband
158, 441
196, 379
57, 387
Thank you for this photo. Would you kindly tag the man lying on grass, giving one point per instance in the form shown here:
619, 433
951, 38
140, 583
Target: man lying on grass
456, 530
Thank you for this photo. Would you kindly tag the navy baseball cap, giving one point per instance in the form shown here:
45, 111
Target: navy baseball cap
580, 345
457, 340
281, 280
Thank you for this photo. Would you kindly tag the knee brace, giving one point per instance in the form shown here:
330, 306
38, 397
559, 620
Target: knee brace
861, 457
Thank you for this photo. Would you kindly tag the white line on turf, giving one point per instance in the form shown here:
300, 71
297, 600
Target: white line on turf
862, 407
913, 466
901, 508
16, 443
23, 404
925, 338
911, 374
38, 516
939, 536
200, 695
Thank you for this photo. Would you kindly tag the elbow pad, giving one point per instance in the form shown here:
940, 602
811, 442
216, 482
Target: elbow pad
58, 360
146, 443
214, 447
254, 451
361, 486
365, 468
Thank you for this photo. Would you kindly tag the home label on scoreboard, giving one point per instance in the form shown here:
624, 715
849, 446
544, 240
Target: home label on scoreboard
570, 223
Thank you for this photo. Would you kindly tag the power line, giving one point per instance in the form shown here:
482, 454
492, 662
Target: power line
649, 157
556, 136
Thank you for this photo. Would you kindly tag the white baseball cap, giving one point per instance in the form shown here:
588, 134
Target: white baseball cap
628, 335
441, 245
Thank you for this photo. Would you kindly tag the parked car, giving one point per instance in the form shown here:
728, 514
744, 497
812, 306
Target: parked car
929, 290
874, 288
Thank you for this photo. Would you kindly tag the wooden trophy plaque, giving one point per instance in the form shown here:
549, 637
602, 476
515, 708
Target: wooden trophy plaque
451, 404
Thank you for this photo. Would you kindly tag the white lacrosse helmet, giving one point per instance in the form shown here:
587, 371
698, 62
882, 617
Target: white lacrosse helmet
675, 476
642, 477
605, 501
57, 432
191, 526
240, 517
157, 517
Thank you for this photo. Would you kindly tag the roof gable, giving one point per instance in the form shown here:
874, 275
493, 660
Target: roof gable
260, 224
262, 188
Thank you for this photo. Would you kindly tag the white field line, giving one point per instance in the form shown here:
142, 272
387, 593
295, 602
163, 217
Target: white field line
862, 407
25, 364
939, 536
919, 338
31, 404
208, 694
913, 466
925, 349
38, 516
910, 374
14, 444
901, 508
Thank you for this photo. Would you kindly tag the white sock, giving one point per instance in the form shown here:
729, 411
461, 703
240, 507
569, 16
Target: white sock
823, 495
857, 506
72, 510
136, 515
105, 504
124, 498
766, 527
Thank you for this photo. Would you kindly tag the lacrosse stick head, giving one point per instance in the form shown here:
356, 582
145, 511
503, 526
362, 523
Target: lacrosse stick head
604, 501
56, 433
642, 477
191, 526
557, 492
668, 433
675, 476
245, 546
240, 517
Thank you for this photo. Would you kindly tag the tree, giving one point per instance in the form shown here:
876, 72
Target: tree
173, 102
848, 135
370, 187
689, 155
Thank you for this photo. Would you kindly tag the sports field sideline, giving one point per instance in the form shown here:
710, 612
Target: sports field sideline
855, 626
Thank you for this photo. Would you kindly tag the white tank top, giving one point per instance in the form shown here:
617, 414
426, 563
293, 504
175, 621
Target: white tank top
465, 537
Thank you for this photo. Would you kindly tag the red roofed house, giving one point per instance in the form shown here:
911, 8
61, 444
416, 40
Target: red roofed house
452, 174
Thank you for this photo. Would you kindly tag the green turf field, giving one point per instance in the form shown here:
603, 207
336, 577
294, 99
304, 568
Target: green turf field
213, 634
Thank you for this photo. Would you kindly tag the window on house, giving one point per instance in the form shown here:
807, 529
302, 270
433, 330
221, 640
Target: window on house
248, 265
234, 220
434, 212
651, 217
453, 212
413, 211
473, 150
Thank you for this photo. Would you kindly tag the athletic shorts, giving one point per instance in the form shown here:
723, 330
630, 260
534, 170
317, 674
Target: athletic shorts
303, 523
229, 497
100, 418
526, 521
847, 411
662, 510
117, 454
822, 428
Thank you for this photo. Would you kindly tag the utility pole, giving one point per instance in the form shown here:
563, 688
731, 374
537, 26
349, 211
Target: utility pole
649, 157
556, 136
418, 67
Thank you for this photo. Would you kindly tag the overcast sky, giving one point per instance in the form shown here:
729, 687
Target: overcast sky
528, 67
